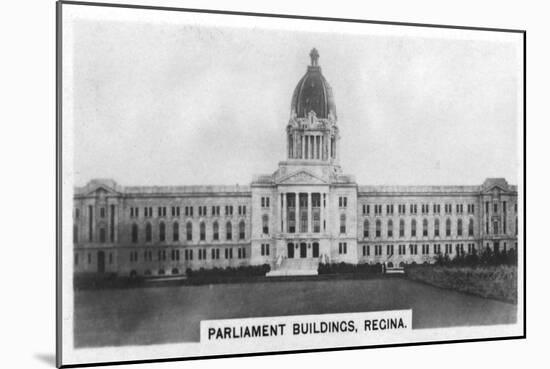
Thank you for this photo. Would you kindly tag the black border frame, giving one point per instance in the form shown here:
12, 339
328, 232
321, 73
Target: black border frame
59, 166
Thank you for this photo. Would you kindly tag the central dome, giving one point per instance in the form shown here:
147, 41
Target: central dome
313, 93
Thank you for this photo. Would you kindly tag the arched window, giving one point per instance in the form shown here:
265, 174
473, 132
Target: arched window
471, 227
203, 231
378, 228
189, 231
228, 231
401, 228
342, 223
134, 233
413, 228
425, 227
448, 227
390, 228
175, 232
436, 228
241, 230
366, 229
148, 232
216, 231
265, 224
459, 227
162, 232
75, 233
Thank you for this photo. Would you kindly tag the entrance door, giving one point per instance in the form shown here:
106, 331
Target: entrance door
496, 246
290, 250
315, 249
303, 250
101, 262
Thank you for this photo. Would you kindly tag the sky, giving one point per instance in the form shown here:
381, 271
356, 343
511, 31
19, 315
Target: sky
168, 103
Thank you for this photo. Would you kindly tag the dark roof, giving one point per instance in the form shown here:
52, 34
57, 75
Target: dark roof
313, 93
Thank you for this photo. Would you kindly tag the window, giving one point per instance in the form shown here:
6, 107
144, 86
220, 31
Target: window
425, 227
175, 232
389, 209
413, 228
390, 228
134, 233
228, 231
102, 212
342, 223
402, 249
189, 231
448, 248
215, 231
366, 227
343, 202
471, 227
448, 227
459, 227
175, 211
162, 232
437, 249
495, 227
148, 232
377, 250
366, 250
161, 211
378, 228
265, 224
436, 228
413, 249
437, 208
401, 228
342, 248
241, 230
75, 259
75, 233
389, 250
265, 249
265, 202
425, 249
215, 254
202, 231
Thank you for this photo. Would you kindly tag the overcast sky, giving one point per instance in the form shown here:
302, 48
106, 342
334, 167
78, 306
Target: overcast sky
174, 104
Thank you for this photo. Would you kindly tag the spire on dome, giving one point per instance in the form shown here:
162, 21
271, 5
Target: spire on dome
314, 55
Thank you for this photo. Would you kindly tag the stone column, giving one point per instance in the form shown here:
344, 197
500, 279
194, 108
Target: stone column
283, 214
322, 213
297, 212
309, 213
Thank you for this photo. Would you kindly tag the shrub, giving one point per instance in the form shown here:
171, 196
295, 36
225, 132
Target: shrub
347, 268
215, 274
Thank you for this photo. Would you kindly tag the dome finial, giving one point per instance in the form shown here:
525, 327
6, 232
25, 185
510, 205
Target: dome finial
314, 55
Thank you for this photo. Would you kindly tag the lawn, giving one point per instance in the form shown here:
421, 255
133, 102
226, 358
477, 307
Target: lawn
167, 314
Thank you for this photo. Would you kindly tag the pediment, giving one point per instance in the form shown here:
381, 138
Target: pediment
495, 190
301, 177
101, 189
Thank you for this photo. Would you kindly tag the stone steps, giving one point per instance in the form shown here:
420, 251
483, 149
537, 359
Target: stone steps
297, 267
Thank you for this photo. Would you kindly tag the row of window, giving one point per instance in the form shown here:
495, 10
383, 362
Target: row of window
188, 254
413, 249
188, 210
89, 258
413, 209
188, 232
413, 226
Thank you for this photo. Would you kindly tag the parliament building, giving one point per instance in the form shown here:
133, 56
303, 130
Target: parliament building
305, 213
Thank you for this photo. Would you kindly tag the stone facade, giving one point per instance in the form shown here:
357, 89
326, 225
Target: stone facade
307, 210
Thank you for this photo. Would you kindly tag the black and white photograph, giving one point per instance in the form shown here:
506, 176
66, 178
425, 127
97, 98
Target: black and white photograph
241, 184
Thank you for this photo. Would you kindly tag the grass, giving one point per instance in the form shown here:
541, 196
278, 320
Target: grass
141, 316
496, 282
